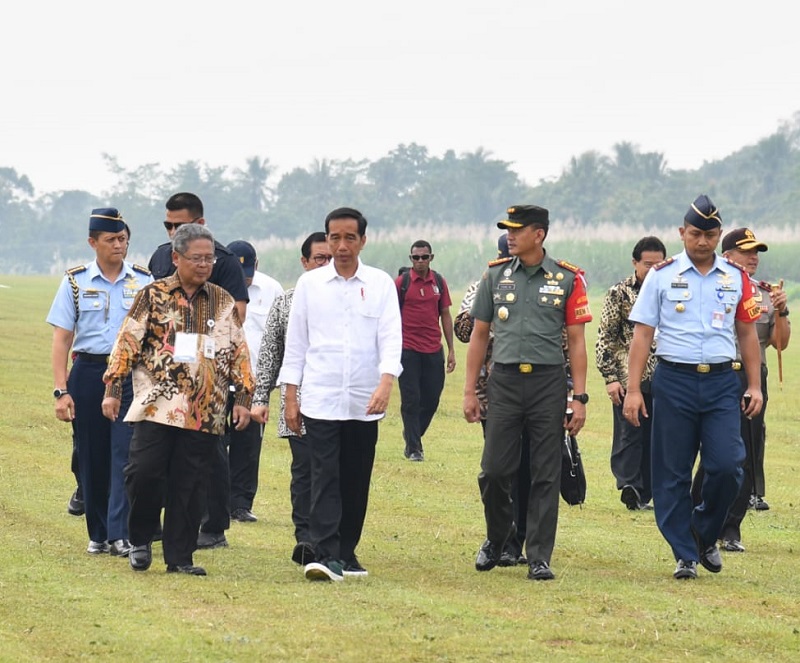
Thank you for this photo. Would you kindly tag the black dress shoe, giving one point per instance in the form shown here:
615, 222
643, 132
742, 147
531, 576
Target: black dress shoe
140, 557
540, 570
710, 558
75, 506
243, 515
303, 553
488, 556
685, 570
188, 569
120, 548
208, 540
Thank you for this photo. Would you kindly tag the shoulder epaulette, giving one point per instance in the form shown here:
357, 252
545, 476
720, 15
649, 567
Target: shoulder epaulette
663, 264
568, 265
765, 286
143, 270
500, 261
76, 270
734, 263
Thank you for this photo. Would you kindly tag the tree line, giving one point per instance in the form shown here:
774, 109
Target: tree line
410, 193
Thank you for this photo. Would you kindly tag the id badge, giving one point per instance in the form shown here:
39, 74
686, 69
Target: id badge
209, 347
185, 348
717, 319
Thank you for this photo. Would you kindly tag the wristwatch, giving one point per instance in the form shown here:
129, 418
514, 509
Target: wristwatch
58, 393
784, 313
581, 398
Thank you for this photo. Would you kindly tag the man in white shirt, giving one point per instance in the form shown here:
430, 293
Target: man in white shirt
244, 449
343, 344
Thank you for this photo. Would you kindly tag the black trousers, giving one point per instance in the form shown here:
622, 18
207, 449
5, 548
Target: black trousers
244, 454
168, 467
342, 456
630, 451
300, 487
421, 384
216, 501
520, 492
535, 402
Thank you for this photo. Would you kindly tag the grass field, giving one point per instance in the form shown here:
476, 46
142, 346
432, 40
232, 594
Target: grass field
614, 598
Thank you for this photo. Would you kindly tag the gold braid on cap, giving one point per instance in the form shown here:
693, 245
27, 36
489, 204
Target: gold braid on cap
713, 214
103, 216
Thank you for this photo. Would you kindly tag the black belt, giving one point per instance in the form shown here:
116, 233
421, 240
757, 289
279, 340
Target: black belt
88, 356
523, 368
704, 368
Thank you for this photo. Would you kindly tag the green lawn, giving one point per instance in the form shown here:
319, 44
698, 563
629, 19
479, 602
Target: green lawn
614, 598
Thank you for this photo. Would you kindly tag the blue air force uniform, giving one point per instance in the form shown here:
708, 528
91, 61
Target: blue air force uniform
696, 394
93, 308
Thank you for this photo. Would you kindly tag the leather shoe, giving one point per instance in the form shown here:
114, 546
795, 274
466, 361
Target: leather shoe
540, 570
209, 540
710, 558
685, 570
140, 557
97, 547
732, 545
120, 548
243, 515
303, 553
75, 506
188, 569
488, 556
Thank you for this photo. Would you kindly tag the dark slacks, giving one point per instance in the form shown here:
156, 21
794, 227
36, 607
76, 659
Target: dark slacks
630, 451
175, 460
421, 384
752, 434
102, 451
520, 491
535, 402
244, 454
300, 487
342, 456
217, 498
689, 407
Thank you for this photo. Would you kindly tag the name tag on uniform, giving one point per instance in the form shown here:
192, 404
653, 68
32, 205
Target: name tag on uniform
185, 348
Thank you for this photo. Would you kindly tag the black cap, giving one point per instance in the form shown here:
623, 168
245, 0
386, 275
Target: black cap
106, 219
742, 239
703, 214
520, 216
247, 256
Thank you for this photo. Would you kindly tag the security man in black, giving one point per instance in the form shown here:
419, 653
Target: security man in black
527, 300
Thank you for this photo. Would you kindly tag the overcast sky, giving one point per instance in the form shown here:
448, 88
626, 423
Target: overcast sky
534, 82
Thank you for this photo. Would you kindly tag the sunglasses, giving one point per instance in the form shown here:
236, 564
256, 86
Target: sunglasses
169, 225
426, 256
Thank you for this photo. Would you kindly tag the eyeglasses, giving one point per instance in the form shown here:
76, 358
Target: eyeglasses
169, 225
322, 260
200, 260
425, 256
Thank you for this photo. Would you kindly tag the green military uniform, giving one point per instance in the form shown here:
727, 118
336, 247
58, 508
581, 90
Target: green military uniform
528, 308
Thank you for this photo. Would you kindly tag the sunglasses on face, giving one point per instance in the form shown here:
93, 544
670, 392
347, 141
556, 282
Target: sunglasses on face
169, 225
425, 256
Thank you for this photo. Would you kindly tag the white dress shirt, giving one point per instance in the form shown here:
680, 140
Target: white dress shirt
262, 291
343, 334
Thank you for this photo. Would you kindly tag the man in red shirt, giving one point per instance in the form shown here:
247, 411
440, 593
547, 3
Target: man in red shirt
424, 301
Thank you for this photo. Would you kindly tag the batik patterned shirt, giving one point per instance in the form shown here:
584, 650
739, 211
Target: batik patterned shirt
616, 333
185, 394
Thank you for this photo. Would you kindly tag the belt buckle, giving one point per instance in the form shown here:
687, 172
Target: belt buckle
526, 368
703, 368
736, 365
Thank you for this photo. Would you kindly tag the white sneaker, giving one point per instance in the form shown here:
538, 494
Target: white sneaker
331, 570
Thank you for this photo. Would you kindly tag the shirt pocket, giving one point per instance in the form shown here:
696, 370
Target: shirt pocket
679, 295
91, 302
